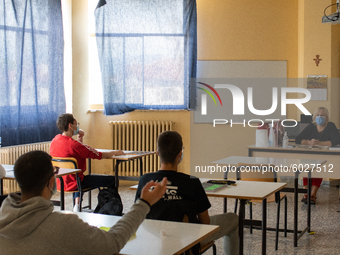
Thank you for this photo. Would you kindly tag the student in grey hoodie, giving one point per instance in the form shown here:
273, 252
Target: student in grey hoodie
28, 224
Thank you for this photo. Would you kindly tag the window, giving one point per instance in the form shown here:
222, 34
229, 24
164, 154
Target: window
146, 54
95, 79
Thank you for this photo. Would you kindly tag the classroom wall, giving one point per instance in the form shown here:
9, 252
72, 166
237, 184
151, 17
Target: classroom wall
312, 31
335, 74
316, 38
227, 30
241, 30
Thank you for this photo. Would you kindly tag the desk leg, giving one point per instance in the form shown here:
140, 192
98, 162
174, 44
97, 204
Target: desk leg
89, 192
309, 191
116, 173
296, 187
140, 167
240, 224
225, 204
62, 198
1, 187
264, 226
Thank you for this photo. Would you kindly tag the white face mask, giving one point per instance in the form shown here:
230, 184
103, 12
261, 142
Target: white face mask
54, 190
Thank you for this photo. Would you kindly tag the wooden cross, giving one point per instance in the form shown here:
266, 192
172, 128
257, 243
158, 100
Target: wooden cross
317, 60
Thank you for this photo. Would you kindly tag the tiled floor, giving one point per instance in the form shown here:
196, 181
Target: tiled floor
325, 222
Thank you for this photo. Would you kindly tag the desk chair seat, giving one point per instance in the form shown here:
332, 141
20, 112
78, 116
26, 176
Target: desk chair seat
72, 163
2, 198
203, 249
267, 176
270, 199
207, 246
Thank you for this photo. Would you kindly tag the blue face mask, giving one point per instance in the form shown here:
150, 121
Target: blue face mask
320, 120
181, 157
76, 132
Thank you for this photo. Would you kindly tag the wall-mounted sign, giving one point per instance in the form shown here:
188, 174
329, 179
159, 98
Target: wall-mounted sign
317, 85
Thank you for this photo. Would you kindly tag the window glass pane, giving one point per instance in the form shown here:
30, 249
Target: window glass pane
95, 78
135, 16
134, 70
146, 52
113, 71
164, 70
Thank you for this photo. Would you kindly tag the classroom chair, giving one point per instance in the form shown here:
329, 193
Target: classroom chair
202, 249
207, 246
268, 176
2, 198
72, 163
186, 208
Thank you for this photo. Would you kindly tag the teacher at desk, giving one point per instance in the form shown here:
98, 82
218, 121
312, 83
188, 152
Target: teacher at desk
319, 132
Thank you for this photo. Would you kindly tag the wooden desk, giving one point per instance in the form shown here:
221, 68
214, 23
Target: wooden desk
234, 160
62, 171
244, 191
248, 190
149, 240
130, 155
332, 156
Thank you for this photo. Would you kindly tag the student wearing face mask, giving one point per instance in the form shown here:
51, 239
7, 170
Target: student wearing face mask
63, 145
320, 132
185, 198
29, 225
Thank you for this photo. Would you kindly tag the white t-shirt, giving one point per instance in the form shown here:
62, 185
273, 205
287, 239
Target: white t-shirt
2, 171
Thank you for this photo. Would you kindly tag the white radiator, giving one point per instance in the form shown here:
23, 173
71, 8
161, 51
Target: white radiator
8, 156
138, 136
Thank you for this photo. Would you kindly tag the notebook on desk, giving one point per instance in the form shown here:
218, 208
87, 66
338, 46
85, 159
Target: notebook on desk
136, 152
212, 187
314, 147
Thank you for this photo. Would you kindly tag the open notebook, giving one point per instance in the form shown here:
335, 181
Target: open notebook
315, 147
136, 152
212, 187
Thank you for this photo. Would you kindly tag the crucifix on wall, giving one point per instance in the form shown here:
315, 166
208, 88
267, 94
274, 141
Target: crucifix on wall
317, 60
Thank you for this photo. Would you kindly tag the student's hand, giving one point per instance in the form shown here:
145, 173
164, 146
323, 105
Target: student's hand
110, 154
118, 153
152, 196
80, 135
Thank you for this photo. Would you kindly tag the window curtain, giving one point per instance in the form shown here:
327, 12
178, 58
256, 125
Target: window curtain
31, 70
147, 52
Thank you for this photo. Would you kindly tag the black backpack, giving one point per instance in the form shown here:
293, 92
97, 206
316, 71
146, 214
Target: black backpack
109, 202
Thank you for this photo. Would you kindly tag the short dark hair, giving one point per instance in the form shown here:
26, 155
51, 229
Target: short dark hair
32, 171
169, 144
63, 121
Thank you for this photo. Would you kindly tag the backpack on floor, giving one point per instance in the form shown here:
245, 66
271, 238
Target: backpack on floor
109, 202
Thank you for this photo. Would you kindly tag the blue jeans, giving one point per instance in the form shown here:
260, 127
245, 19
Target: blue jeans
96, 181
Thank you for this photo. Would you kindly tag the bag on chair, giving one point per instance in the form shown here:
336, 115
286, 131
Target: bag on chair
109, 202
